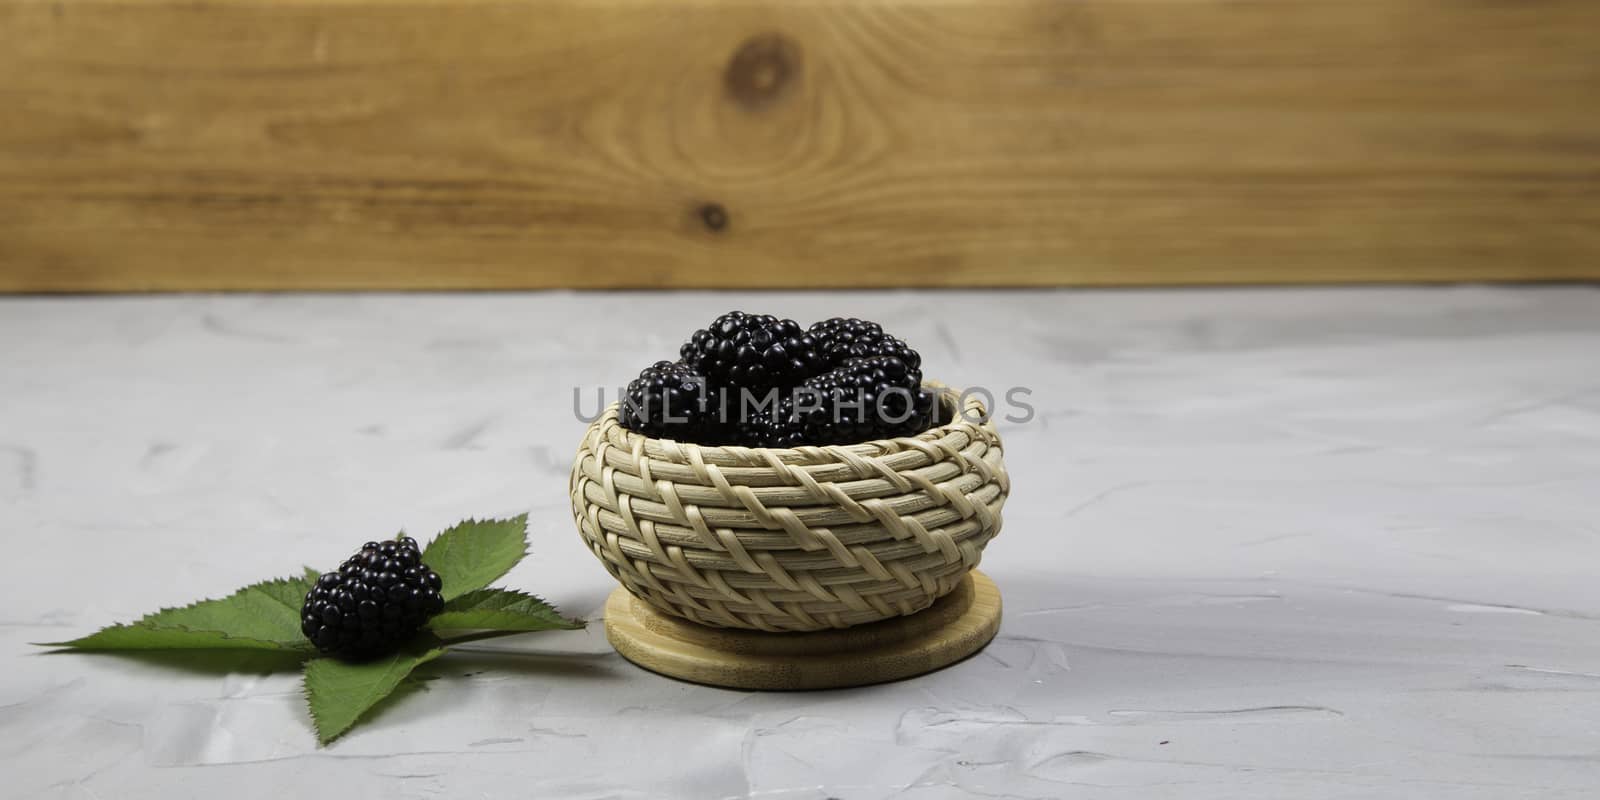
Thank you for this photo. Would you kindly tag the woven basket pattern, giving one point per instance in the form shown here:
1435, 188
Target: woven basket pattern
795, 539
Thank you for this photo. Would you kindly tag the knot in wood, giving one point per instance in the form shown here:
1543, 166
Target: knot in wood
762, 69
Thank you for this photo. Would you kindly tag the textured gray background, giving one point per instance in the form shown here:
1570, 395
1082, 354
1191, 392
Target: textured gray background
1262, 543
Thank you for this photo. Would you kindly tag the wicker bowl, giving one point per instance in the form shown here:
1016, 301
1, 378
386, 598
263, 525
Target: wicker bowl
799, 539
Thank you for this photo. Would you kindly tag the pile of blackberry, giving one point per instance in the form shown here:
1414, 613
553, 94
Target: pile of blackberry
378, 599
760, 381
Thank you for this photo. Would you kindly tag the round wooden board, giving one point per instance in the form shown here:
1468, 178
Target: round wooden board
955, 627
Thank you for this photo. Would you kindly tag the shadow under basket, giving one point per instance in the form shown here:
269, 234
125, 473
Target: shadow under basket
737, 556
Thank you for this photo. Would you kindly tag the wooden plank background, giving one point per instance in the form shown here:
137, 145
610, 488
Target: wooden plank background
276, 144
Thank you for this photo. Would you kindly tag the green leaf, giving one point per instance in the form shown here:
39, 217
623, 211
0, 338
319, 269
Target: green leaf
503, 610
338, 693
262, 616
145, 636
473, 554
312, 575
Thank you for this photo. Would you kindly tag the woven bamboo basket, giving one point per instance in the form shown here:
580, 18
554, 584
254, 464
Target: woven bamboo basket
801, 539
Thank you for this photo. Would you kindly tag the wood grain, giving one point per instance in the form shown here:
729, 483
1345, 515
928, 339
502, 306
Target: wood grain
441, 144
953, 628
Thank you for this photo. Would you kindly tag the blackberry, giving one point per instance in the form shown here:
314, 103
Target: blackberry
747, 351
876, 397
841, 339
775, 426
379, 598
670, 400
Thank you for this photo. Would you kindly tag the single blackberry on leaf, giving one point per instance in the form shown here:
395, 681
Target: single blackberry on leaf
377, 600
843, 338
670, 400
748, 351
877, 397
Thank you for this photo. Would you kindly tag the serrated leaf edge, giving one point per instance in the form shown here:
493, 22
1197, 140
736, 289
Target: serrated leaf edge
75, 644
574, 623
521, 519
148, 622
267, 582
324, 738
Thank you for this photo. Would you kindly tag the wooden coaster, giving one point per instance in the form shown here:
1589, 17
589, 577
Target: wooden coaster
956, 626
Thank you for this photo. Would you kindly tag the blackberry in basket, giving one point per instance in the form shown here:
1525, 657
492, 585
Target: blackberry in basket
748, 351
878, 397
843, 338
670, 400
